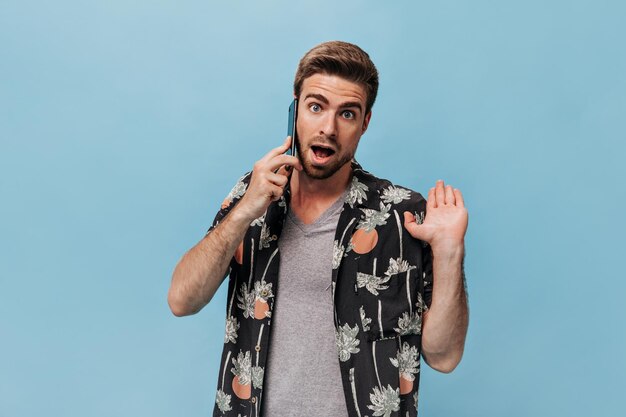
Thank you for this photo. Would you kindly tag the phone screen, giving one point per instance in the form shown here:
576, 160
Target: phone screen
291, 125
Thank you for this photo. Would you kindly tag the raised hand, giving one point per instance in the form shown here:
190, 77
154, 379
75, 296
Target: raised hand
269, 177
446, 218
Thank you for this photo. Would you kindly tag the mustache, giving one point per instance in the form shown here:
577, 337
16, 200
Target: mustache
321, 140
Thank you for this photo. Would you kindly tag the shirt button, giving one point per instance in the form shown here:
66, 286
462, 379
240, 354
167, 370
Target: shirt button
253, 400
257, 348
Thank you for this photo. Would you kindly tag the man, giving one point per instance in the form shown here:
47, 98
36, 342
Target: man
369, 275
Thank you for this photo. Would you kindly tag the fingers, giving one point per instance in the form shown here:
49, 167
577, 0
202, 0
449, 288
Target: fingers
445, 195
430, 202
411, 226
449, 195
408, 218
276, 158
275, 192
280, 160
440, 193
285, 170
459, 198
277, 179
278, 150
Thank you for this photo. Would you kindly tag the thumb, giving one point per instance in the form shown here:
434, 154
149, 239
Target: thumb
414, 229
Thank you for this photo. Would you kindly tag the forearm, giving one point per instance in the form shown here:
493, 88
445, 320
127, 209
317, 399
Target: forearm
445, 322
201, 270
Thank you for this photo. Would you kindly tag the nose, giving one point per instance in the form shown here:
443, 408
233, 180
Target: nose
329, 126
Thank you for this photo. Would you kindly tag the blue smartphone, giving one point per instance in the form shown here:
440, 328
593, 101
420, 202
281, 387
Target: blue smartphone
291, 125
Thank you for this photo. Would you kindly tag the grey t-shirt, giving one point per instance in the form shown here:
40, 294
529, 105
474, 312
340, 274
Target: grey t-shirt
303, 376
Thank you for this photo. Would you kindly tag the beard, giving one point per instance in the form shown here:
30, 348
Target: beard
321, 172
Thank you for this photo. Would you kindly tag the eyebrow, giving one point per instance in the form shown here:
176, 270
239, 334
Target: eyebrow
325, 101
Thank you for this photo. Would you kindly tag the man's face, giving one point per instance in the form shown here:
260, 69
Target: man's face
331, 120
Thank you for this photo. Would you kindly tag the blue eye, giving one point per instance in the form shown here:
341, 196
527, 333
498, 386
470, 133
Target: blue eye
347, 114
315, 108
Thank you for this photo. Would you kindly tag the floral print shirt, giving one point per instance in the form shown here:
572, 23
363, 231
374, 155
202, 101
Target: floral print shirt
381, 285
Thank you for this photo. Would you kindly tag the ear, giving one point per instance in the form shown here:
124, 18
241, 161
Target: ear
366, 121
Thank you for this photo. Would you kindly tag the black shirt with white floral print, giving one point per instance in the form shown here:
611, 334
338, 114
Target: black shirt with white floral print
381, 280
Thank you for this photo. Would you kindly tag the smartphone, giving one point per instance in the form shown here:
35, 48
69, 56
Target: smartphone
291, 125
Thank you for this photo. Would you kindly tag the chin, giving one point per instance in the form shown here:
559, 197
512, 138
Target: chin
323, 172
319, 174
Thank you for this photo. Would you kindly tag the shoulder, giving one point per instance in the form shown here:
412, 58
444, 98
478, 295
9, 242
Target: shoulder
398, 196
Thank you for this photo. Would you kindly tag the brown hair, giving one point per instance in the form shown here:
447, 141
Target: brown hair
344, 60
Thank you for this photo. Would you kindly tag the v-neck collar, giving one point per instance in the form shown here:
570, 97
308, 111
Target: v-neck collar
321, 219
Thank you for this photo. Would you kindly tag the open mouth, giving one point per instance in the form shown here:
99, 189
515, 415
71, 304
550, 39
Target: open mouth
322, 152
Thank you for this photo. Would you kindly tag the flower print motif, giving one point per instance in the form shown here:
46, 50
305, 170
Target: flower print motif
372, 283
409, 323
395, 195
373, 218
266, 237
236, 192
397, 266
365, 237
262, 293
263, 290
346, 341
384, 401
231, 330
406, 361
243, 375
420, 304
242, 367
415, 400
419, 217
257, 376
338, 254
356, 193
258, 221
408, 365
365, 322
246, 300
223, 401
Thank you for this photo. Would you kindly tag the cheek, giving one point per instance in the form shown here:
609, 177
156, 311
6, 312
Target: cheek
352, 132
303, 125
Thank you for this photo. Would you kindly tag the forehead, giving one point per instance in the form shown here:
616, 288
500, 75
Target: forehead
334, 88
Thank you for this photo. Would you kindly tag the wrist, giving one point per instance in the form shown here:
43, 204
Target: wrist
240, 215
448, 249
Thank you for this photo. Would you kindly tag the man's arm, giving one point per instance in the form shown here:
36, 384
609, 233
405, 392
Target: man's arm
445, 323
201, 270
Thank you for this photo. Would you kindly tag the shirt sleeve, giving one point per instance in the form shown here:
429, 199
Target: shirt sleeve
427, 255
233, 197
229, 202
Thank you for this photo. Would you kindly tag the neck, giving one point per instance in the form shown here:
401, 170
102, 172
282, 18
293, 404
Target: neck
310, 197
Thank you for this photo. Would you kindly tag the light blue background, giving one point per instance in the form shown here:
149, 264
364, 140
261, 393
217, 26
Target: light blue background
123, 124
